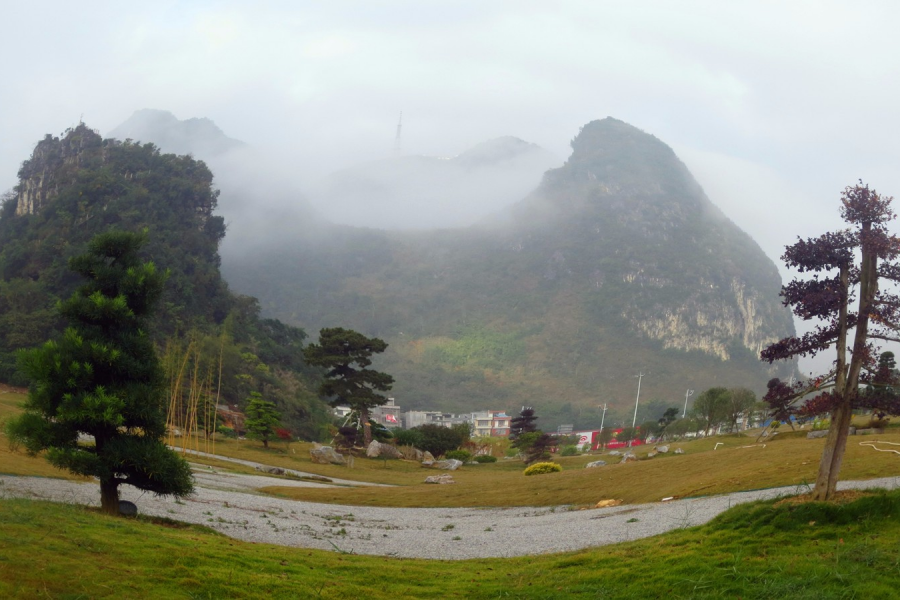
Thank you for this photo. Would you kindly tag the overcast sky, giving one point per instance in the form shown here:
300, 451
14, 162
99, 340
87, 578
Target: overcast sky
775, 106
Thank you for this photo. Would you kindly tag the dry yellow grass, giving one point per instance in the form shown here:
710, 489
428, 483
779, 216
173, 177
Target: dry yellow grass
785, 461
789, 459
19, 463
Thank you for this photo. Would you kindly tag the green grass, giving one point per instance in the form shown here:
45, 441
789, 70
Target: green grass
760, 550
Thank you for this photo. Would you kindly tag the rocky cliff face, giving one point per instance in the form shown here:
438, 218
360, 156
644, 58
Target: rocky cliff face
53, 163
680, 272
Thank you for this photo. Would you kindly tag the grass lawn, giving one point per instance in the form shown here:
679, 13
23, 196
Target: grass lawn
788, 459
760, 550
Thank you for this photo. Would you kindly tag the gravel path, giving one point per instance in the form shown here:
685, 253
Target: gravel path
260, 466
436, 533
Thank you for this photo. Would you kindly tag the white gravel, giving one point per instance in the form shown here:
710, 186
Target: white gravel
435, 533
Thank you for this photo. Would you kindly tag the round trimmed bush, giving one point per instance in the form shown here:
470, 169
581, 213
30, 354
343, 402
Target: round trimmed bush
543, 467
462, 455
569, 451
485, 458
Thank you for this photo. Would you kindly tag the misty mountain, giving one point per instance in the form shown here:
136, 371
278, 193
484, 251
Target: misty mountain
425, 192
257, 202
617, 263
199, 137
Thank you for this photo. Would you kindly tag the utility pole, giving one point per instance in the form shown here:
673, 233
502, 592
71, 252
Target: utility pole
603, 418
639, 376
687, 395
638, 399
397, 139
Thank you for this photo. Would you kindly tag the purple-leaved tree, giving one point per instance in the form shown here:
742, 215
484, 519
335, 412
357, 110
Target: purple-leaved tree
841, 290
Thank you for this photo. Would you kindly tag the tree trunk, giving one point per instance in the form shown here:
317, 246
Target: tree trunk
833, 454
367, 428
109, 496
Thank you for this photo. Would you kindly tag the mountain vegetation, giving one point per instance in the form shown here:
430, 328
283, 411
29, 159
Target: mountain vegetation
617, 262
80, 185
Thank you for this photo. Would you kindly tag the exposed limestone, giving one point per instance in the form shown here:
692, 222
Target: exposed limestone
440, 479
378, 450
325, 455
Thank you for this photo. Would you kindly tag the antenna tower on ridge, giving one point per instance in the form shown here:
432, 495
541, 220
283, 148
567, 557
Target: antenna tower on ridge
397, 139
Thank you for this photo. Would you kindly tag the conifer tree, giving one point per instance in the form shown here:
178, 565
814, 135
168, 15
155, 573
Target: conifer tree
346, 354
102, 379
262, 418
523, 423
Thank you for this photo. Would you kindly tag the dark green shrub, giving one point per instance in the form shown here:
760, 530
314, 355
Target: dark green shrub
439, 440
485, 458
462, 455
569, 451
408, 437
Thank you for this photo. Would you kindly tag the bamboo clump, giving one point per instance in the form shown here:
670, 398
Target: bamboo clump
192, 402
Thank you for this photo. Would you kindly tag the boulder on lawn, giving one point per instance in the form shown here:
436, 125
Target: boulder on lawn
607, 503
128, 509
449, 464
427, 459
615, 453
378, 450
629, 457
662, 449
596, 463
652, 454
325, 455
679, 451
440, 479
270, 470
817, 434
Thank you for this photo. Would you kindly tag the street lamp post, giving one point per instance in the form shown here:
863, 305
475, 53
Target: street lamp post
687, 395
636, 401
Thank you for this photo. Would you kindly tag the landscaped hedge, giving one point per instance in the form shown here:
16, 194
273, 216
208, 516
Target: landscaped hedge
543, 467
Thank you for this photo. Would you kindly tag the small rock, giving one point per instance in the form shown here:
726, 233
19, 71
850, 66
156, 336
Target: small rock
596, 463
607, 503
817, 434
629, 457
652, 454
662, 449
126, 508
440, 479
615, 453
427, 459
679, 451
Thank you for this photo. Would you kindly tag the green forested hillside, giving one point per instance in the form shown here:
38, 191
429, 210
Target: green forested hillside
79, 185
617, 263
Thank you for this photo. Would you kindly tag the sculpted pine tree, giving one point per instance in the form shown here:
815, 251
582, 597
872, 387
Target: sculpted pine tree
262, 418
346, 354
844, 268
103, 379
